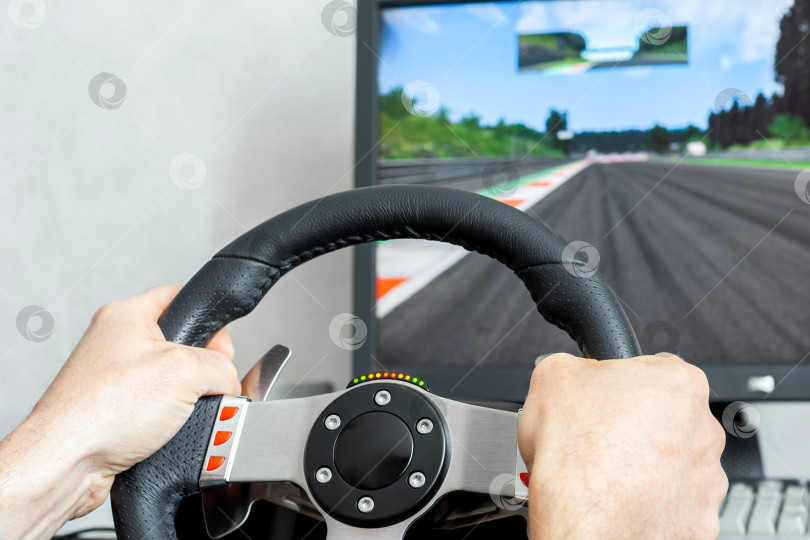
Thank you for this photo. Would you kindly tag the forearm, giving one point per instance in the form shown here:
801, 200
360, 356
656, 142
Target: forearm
45, 480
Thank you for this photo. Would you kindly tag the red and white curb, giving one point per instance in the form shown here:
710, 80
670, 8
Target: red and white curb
404, 267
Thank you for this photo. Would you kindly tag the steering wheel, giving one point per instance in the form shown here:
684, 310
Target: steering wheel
373, 458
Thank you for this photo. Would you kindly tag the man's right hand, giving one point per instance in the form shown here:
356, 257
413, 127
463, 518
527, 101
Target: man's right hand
621, 449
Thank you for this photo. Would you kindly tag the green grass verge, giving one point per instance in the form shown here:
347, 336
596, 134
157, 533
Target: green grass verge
750, 163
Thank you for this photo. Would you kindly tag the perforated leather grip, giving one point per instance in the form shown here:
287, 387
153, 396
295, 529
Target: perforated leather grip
231, 284
144, 498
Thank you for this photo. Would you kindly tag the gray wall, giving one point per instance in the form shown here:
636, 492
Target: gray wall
260, 91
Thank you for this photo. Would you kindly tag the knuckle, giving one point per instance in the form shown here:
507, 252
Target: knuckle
230, 369
719, 436
183, 363
556, 359
722, 486
692, 379
551, 367
104, 313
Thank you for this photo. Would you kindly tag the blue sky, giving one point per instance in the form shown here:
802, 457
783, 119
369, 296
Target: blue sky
468, 52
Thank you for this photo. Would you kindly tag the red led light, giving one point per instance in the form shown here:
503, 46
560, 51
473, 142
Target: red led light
214, 463
228, 413
222, 437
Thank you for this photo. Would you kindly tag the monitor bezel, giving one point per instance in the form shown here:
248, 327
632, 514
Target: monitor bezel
497, 382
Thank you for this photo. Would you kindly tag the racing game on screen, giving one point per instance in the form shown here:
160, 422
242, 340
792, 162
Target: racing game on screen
667, 142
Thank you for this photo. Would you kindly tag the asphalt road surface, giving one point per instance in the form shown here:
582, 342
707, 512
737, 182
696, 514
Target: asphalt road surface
495, 174
710, 262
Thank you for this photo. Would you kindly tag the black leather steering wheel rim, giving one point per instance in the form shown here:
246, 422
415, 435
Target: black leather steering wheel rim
567, 292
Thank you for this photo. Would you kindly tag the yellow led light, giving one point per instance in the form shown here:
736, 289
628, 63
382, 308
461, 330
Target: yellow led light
400, 376
379, 375
407, 377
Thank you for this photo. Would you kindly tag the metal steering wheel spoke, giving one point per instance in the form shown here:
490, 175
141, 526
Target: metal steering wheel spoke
336, 530
263, 462
485, 457
274, 437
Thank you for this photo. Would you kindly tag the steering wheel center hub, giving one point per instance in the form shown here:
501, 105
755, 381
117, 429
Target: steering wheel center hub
373, 450
383, 468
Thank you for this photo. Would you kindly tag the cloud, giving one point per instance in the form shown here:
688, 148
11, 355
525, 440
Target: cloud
604, 25
420, 19
749, 27
489, 13
725, 63
770, 88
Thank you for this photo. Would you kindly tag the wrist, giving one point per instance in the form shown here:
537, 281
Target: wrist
46, 479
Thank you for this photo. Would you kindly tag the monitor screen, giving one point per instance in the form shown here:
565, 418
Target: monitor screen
667, 141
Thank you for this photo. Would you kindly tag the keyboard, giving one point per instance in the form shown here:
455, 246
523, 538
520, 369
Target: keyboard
767, 510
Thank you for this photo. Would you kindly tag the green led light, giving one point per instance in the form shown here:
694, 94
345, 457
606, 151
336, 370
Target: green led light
356, 381
363, 378
421, 383
415, 379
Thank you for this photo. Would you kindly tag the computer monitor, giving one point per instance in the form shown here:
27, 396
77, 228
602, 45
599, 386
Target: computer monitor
668, 141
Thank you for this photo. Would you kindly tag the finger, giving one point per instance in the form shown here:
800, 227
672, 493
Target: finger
221, 342
214, 373
153, 303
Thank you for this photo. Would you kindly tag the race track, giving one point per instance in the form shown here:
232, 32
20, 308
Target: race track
711, 262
